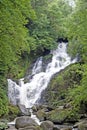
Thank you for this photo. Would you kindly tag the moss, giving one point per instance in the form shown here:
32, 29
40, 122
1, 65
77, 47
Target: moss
13, 111
47, 57
62, 83
68, 87
58, 115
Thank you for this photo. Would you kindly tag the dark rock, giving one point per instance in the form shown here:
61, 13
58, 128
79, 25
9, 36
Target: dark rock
47, 125
62, 40
24, 121
62, 127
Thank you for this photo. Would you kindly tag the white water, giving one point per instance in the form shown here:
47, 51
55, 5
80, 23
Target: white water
29, 93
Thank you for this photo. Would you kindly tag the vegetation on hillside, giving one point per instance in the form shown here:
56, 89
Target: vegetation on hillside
70, 86
29, 28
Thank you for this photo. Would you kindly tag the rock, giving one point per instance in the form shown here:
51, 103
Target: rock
67, 105
30, 128
11, 128
56, 128
24, 121
81, 125
41, 115
34, 108
57, 116
24, 110
62, 127
47, 125
66, 129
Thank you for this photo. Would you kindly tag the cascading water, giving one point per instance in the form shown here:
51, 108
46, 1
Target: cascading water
29, 93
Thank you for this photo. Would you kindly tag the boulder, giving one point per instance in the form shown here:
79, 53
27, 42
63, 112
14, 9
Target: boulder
57, 116
24, 121
24, 110
41, 115
47, 125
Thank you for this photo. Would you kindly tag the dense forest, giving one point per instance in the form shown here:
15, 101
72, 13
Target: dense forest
31, 28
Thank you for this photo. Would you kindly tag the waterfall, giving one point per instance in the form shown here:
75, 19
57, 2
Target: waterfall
29, 93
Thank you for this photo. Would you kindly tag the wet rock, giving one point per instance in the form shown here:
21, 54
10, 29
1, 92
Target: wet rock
24, 110
56, 128
62, 127
47, 125
45, 108
11, 128
24, 121
66, 129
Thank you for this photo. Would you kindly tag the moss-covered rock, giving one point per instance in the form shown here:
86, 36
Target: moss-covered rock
24, 121
31, 128
41, 114
60, 91
47, 125
57, 90
58, 116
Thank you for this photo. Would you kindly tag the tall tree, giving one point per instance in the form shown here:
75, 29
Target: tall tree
13, 18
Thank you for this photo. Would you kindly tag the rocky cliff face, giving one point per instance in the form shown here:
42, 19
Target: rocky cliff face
57, 91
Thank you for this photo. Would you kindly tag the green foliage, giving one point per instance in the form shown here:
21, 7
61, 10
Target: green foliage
13, 40
14, 45
70, 86
77, 33
78, 94
27, 28
77, 30
13, 112
3, 126
3, 102
49, 24
58, 115
62, 84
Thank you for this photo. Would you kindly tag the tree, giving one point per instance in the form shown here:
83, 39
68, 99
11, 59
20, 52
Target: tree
78, 30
